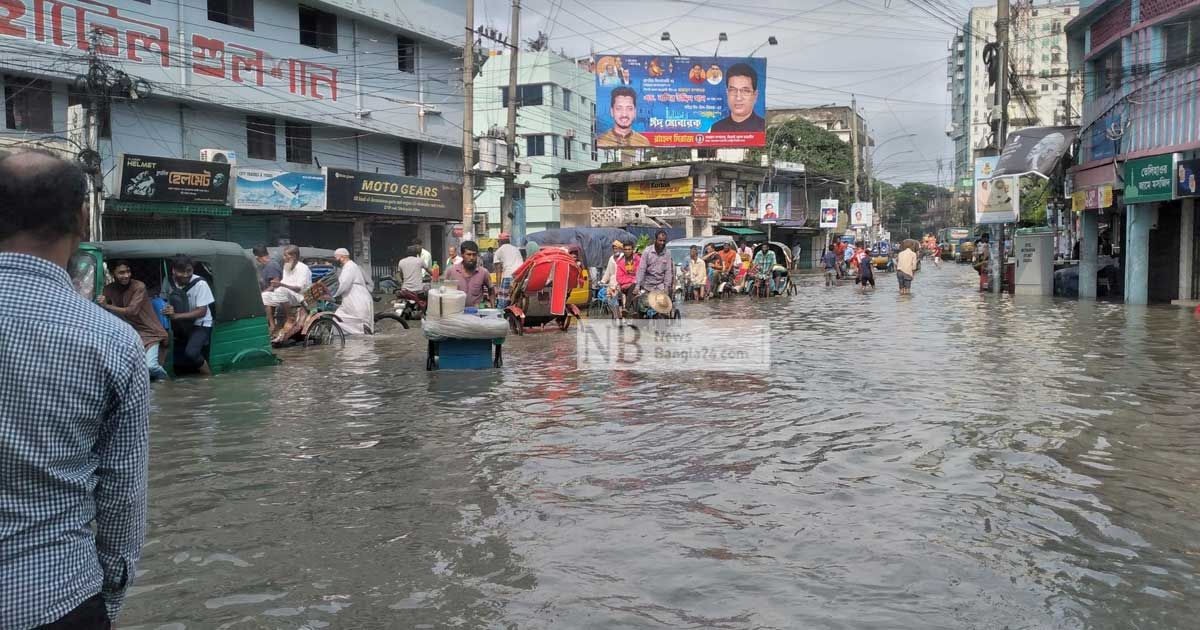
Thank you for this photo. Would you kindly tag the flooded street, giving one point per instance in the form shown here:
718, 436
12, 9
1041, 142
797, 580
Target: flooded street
948, 460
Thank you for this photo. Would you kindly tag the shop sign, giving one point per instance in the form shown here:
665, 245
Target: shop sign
1092, 198
733, 214
660, 189
700, 203
374, 193
1186, 172
1149, 179
145, 178
259, 189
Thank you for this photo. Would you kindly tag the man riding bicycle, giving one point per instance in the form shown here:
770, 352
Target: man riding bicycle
657, 270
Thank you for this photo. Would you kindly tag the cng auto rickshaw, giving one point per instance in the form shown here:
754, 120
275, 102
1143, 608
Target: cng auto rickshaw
239, 335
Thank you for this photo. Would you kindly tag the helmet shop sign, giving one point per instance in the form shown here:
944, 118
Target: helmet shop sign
155, 179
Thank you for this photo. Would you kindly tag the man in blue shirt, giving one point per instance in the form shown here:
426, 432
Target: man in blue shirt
74, 415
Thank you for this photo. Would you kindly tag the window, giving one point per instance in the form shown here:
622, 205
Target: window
567, 142
28, 104
706, 154
1045, 87
1109, 71
554, 146
239, 13
566, 100
1056, 58
103, 113
1044, 74
298, 138
406, 54
412, 159
260, 138
1056, 28
535, 146
1182, 43
1067, 11
318, 29
526, 95
1045, 58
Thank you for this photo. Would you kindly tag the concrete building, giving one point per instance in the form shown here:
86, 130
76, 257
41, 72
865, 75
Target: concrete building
273, 84
1135, 183
835, 119
557, 101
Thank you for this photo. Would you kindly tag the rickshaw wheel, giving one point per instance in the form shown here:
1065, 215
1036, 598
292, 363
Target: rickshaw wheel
324, 332
514, 323
391, 317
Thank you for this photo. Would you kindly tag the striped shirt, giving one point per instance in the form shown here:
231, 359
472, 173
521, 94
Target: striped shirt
74, 424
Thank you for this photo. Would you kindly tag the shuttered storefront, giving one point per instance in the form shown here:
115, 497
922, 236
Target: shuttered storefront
129, 227
323, 234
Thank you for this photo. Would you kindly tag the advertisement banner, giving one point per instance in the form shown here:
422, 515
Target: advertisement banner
258, 189
996, 200
1034, 151
660, 189
1092, 198
1185, 178
862, 214
829, 213
663, 101
700, 202
354, 191
1149, 179
155, 179
733, 213
768, 207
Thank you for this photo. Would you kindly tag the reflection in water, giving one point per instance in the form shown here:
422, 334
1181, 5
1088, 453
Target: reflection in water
945, 460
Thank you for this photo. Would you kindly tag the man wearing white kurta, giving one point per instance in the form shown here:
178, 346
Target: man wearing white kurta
357, 311
297, 278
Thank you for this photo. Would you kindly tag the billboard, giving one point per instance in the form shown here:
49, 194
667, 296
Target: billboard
996, 200
768, 207
829, 213
376, 193
145, 178
259, 189
662, 101
862, 214
660, 189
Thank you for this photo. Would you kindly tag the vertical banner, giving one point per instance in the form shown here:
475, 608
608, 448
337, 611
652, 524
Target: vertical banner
768, 207
996, 200
862, 214
829, 213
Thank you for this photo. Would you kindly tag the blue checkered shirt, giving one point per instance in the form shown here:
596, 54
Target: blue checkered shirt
74, 436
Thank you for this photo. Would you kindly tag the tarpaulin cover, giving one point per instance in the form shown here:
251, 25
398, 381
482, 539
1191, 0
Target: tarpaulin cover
464, 326
595, 242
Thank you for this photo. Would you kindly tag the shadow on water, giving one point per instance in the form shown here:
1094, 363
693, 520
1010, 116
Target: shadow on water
944, 460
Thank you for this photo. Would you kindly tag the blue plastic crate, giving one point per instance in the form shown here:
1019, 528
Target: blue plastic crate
464, 354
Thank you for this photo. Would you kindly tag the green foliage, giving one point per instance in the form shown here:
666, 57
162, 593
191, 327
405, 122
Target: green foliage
801, 141
642, 243
1035, 193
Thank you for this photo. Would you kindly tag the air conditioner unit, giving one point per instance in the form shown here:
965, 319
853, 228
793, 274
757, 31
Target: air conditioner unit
221, 156
570, 133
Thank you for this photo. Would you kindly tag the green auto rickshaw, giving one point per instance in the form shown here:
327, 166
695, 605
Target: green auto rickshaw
239, 337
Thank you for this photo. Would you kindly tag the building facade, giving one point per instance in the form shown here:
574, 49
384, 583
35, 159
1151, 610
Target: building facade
556, 100
270, 85
1135, 184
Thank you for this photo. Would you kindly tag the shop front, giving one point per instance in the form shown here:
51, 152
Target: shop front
161, 198
1152, 223
1098, 229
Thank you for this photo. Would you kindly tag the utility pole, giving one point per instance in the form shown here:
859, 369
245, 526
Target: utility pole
468, 148
510, 173
854, 144
91, 134
1003, 15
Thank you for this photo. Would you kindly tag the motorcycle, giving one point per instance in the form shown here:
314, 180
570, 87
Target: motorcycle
406, 305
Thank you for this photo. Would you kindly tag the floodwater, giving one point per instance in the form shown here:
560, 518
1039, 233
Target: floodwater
947, 460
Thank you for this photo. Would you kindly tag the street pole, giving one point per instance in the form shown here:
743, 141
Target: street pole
510, 180
854, 144
1002, 19
468, 148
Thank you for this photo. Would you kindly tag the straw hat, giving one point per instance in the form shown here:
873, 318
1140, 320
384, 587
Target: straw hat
659, 301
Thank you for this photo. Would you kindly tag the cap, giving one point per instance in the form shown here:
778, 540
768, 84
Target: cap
618, 243
341, 251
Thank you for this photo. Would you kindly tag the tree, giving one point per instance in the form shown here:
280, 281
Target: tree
912, 200
801, 141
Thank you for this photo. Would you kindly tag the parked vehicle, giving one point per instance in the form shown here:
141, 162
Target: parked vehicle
402, 306
541, 288
240, 338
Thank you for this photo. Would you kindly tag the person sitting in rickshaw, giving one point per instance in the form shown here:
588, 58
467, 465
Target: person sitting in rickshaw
627, 270
608, 280
730, 263
289, 293
764, 266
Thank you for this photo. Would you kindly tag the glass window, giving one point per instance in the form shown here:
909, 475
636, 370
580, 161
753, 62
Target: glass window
1181, 41
535, 146
260, 138
554, 146
566, 100
406, 54
412, 159
103, 115
530, 94
318, 29
567, 142
28, 104
1109, 68
239, 13
298, 137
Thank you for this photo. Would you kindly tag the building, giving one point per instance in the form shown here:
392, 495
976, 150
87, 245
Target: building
270, 85
1135, 182
1042, 92
557, 101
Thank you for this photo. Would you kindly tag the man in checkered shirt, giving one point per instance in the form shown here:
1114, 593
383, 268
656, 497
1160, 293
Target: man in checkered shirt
74, 415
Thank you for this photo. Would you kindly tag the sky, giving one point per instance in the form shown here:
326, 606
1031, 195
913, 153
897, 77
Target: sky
890, 54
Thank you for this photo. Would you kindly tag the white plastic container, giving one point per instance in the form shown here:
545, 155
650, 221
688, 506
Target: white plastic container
491, 313
446, 302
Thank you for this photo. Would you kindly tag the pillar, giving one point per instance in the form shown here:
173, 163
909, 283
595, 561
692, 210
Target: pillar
362, 243
1089, 244
1187, 234
1138, 220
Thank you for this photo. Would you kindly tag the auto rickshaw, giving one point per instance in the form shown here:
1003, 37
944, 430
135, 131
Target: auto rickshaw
239, 335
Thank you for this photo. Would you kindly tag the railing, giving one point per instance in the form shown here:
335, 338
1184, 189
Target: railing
617, 216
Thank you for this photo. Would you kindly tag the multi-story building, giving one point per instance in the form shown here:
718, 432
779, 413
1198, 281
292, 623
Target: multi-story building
369, 87
1041, 91
1135, 183
556, 98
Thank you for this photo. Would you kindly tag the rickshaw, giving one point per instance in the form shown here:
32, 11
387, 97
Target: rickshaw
779, 273
239, 336
316, 323
541, 288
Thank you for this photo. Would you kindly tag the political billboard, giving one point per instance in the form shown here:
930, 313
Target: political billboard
662, 101
996, 200
829, 213
862, 214
768, 207
259, 189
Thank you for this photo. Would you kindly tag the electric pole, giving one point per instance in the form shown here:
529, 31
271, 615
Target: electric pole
1003, 14
854, 144
510, 173
468, 148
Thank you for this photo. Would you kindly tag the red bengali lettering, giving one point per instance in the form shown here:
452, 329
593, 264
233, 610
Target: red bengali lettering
208, 56
13, 11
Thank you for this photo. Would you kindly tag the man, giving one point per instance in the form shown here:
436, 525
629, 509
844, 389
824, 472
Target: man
472, 279
190, 314
411, 271
764, 266
453, 258
729, 263
906, 269
75, 416
829, 262
982, 256
488, 258
769, 211
697, 274
357, 310
506, 261
623, 107
289, 293
609, 278
741, 92
126, 298
796, 256
657, 270
426, 257
269, 276
627, 275
744, 248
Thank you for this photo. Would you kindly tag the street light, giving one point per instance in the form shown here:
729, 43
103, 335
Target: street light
721, 37
666, 37
770, 41
907, 135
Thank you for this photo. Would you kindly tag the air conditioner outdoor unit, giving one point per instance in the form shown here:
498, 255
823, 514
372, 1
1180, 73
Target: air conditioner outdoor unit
221, 156
570, 133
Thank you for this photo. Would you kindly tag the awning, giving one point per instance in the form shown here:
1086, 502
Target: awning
1036, 150
741, 231
135, 207
640, 175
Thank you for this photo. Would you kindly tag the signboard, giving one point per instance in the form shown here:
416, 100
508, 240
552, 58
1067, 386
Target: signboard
1092, 198
1149, 179
145, 178
996, 200
1102, 145
1035, 150
258, 189
353, 191
733, 214
829, 213
700, 202
1186, 184
663, 101
958, 234
768, 207
790, 167
862, 213
660, 189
